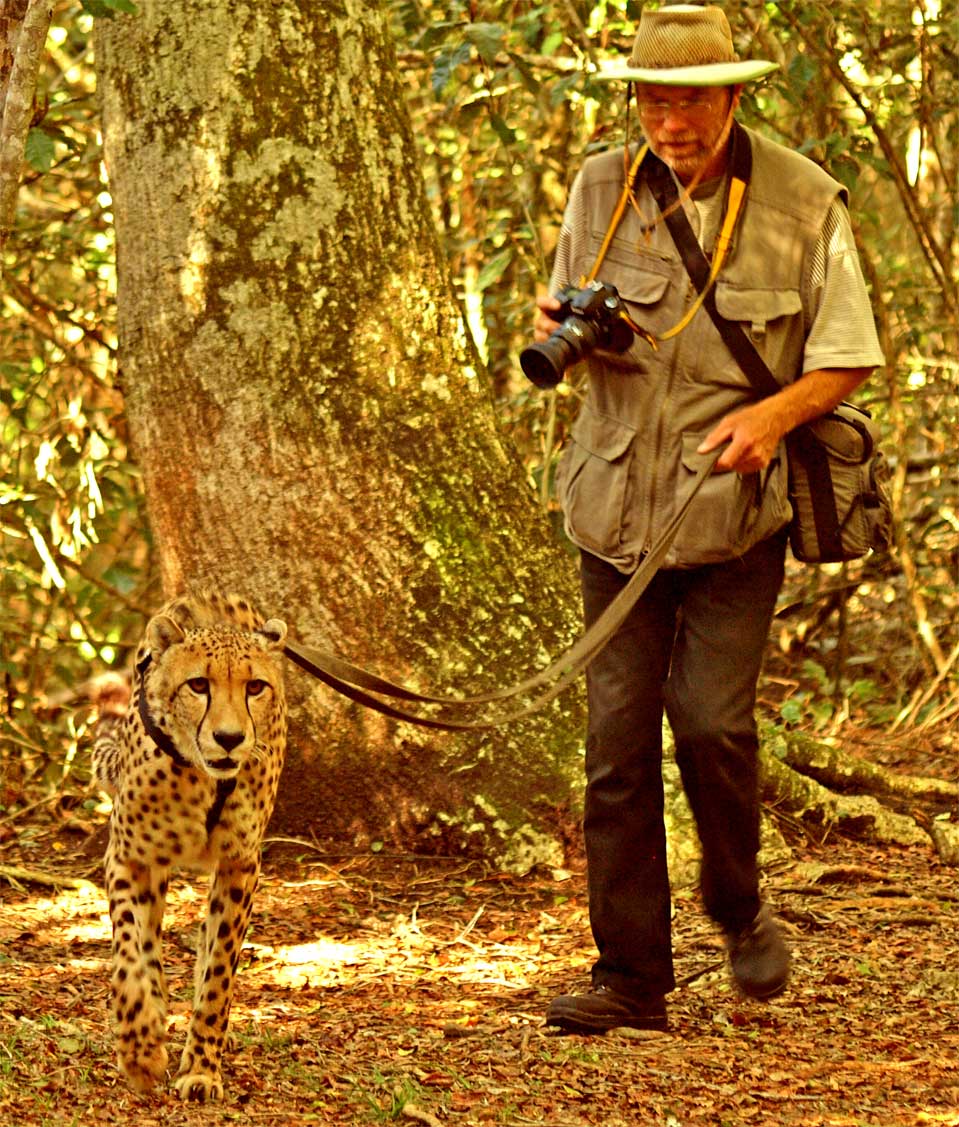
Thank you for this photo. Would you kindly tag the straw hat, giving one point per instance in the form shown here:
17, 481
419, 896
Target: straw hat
685, 45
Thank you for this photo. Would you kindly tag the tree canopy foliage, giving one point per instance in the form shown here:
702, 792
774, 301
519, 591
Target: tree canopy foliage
504, 110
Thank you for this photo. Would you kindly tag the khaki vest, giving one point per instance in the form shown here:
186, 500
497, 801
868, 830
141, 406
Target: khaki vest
633, 447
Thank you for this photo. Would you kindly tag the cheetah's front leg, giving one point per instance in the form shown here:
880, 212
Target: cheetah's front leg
218, 953
137, 896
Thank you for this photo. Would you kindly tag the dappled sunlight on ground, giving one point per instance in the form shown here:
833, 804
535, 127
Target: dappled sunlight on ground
376, 989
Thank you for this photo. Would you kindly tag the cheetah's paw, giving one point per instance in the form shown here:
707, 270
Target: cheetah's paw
204, 1087
144, 1066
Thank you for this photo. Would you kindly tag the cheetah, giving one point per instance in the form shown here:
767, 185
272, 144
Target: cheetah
192, 759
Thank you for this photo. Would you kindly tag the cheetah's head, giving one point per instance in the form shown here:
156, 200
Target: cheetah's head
216, 691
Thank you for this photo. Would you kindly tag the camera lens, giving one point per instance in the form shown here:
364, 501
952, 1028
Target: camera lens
544, 364
539, 365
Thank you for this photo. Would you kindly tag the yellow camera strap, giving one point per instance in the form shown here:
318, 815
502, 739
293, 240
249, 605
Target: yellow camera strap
618, 212
737, 192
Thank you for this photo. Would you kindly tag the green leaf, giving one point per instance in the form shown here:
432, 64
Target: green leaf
815, 672
488, 39
802, 71
864, 690
525, 72
822, 712
503, 131
445, 64
40, 150
792, 710
494, 269
846, 170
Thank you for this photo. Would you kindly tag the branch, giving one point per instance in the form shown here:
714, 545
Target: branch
15, 874
18, 108
934, 253
11, 19
29, 300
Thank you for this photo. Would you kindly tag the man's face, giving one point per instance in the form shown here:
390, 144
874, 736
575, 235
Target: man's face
687, 126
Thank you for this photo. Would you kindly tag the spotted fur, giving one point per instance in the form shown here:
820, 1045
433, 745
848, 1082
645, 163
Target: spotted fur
193, 764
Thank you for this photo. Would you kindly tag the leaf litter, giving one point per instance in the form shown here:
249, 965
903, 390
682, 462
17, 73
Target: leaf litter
410, 989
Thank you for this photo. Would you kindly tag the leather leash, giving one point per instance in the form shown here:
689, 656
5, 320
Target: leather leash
359, 685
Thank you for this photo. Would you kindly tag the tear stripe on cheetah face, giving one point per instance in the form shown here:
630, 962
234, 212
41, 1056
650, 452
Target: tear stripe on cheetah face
162, 818
210, 689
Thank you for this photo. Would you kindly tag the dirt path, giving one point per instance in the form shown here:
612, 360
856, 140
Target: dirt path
412, 990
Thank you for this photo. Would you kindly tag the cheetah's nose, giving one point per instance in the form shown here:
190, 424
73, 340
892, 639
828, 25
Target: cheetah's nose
228, 740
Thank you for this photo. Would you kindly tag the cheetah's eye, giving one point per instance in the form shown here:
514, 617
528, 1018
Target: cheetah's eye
255, 687
198, 685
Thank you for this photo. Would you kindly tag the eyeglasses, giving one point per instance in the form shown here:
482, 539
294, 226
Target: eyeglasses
696, 108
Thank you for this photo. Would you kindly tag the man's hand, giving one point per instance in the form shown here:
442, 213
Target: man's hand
545, 324
755, 431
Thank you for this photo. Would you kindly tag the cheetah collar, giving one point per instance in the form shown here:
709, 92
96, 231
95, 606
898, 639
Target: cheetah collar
153, 730
224, 787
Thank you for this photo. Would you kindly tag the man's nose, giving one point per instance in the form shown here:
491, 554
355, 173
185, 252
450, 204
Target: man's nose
675, 119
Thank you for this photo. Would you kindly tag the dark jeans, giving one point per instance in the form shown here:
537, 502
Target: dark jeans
693, 645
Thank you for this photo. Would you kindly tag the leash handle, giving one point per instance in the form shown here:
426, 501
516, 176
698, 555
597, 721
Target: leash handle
359, 685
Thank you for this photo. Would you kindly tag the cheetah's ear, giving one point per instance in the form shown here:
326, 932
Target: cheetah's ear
274, 630
163, 632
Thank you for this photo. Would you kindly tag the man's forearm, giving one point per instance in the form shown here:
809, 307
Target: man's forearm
754, 432
814, 394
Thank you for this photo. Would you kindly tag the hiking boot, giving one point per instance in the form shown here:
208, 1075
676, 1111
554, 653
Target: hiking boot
758, 957
605, 1008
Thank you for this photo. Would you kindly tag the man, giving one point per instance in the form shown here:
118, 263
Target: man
694, 642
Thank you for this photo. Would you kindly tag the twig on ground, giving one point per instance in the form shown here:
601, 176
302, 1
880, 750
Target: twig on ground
52, 880
411, 1111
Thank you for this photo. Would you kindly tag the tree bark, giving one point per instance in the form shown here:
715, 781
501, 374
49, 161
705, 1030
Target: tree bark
23, 32
310, 417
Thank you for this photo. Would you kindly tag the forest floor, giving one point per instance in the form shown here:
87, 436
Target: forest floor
410, 989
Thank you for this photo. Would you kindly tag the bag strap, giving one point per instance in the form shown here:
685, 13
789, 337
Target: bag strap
811, 453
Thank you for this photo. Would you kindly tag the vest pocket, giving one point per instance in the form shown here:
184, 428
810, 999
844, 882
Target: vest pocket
769, 317
592, 481
730, 513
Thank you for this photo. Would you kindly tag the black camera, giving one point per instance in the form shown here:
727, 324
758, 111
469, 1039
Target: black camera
592, 317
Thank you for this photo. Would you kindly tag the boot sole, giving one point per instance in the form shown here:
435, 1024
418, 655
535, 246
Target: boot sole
577, 1022
763, 994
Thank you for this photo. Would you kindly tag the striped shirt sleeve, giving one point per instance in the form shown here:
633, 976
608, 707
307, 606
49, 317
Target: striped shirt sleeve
840, 329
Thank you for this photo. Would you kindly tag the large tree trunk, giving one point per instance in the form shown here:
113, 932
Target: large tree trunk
310, 417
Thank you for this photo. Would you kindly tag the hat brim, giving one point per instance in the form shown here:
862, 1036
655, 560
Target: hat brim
712, 74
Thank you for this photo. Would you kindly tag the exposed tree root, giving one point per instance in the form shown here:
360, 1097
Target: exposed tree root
840, 771
826, 788
861, 816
